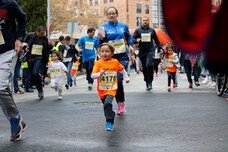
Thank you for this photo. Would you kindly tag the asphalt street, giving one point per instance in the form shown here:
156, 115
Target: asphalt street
185, 120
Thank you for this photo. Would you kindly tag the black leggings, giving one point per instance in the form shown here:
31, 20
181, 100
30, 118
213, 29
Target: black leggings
171, 75
156, 63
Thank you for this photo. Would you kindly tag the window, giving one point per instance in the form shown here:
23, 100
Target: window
138, 8
105, 1
105, 9
138, 21
155, 18
91, 2
96, 2
146, 9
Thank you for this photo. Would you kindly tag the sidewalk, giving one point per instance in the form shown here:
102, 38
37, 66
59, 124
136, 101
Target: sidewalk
136, 85
160, 84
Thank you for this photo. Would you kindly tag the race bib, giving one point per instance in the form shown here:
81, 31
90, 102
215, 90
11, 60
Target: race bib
37, 49
65, 53
74, 66
119, 46
55, 72
89, 45
156, 55
108, 81
169, 64
145, 37
67, 59
2, 41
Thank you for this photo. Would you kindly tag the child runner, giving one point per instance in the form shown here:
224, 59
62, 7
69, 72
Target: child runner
105, 70
56, 69
74, 71
171, 60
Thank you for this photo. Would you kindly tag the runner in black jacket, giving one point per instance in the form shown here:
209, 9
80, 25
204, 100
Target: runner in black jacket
37, 57
144, 36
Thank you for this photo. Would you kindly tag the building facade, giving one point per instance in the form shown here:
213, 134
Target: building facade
131, 12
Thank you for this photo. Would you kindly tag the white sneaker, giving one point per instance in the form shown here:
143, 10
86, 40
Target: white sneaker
205, 81
212, 84
209, 83
60, 97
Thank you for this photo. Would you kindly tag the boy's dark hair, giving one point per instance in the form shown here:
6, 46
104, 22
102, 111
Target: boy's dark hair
40, 28
61, 38
109, 46
67, 38
90, 30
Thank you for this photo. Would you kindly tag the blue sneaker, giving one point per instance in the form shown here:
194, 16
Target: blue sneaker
17, 127
109, 126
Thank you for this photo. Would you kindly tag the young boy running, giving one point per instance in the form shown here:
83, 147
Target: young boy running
105, 70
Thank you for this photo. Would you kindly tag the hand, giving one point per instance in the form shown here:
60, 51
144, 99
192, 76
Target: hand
100, 36
79, 50
18, 46
102, 72
26, 49
138, 40
127, 80
131, 49
161, 52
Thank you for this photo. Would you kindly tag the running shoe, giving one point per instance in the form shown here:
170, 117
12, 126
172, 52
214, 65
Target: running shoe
41, 95
109, 126
17, 127
121, 108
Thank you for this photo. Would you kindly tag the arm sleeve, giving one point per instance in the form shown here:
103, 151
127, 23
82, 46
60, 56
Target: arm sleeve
156, 40
95, 75
21, 19
135, 36
128, 36
49, 67
96, 71
79, 43
64, 68
175, 59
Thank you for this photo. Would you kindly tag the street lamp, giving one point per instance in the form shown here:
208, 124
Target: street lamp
48, 19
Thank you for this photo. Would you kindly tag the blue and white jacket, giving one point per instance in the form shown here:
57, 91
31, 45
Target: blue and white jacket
117, 31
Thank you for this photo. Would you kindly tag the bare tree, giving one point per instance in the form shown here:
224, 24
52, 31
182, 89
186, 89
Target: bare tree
61, 13
72, 11
87, 15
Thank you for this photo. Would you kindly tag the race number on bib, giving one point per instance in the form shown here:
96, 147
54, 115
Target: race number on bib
108, 81
37, 49
119, 46
89, 45
74, 66
2, 41
55, 72
145, 37
64, 53
169, 64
